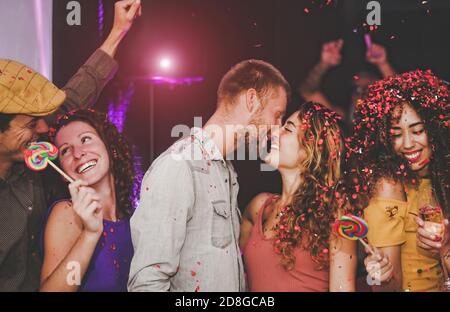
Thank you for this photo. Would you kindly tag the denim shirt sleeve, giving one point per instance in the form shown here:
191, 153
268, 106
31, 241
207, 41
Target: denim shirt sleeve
84, 88
158, 226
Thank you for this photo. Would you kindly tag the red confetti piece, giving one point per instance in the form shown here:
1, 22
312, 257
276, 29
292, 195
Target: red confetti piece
306, 10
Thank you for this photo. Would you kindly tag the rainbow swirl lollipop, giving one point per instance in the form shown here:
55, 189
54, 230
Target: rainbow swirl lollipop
351, 227
38, 154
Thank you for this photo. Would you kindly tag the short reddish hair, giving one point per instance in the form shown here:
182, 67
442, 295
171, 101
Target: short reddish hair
251, 74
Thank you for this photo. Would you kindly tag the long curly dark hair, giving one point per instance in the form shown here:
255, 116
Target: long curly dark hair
119, 151
370, 155
307, 222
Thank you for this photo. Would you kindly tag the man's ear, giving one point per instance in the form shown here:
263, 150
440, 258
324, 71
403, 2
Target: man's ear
252, 101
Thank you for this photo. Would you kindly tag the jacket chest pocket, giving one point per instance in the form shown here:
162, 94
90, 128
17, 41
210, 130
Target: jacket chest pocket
221, 235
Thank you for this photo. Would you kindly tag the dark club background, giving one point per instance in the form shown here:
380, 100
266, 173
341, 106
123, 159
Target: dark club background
206, 37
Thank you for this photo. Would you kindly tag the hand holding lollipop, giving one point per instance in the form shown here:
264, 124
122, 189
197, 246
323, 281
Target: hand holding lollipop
40, 154
377, 264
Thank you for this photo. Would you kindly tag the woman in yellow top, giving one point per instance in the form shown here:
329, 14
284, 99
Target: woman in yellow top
398, 163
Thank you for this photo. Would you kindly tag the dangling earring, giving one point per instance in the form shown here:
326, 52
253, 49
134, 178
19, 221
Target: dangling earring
115, 154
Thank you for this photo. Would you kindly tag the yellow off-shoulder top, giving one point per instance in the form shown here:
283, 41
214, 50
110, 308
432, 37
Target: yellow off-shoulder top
391, 223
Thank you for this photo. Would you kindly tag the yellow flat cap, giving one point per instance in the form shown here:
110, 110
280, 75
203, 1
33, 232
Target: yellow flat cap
25, 91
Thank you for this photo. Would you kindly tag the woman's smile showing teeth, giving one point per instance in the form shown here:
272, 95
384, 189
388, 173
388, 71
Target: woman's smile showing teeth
275, 143
412, 156
86, 166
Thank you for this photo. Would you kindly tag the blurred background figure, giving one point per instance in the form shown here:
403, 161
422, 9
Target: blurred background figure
331, 56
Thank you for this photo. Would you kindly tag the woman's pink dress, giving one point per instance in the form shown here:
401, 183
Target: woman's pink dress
264, 271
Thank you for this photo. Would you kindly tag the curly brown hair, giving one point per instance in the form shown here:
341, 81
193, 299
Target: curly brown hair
307, 222
370, 155
119, 151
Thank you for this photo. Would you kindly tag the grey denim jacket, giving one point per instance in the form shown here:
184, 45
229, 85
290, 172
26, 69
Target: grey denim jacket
185, 231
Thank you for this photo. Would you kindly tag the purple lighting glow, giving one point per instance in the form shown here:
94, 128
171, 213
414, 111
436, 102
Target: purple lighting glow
117, 112
101, 15
175, 81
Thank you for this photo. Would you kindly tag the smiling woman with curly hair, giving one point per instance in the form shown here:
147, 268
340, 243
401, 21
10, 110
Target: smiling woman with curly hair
397, 164
90, 233
286, 239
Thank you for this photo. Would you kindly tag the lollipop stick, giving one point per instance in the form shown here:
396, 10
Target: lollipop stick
60, 171
369, 248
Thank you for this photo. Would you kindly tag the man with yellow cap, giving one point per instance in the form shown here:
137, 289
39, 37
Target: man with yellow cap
28, 101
